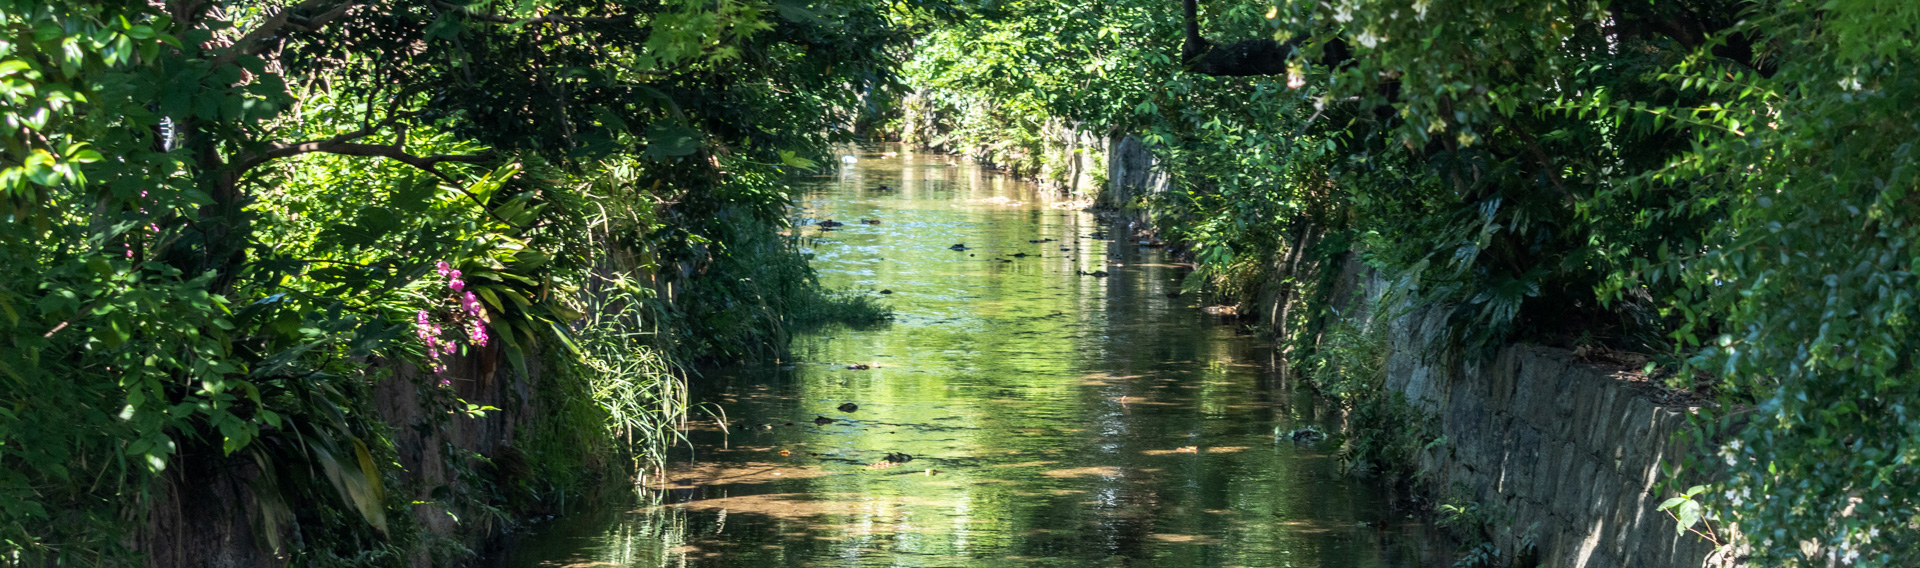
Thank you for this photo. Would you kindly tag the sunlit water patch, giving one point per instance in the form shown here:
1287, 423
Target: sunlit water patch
1020, 411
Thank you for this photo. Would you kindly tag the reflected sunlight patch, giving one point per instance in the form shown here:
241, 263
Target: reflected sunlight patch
1103, 379
1196, 450
1002, 201
1041, 463
689, 476
1100, 471
1183, 538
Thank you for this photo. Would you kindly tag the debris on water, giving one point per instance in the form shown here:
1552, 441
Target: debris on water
859, 367
849, 407
886, 291
884, 188
1023, 255
789, 423
822, 420
1306, 435
1095, 274
869, 221
848, 159
898, 457
786, 453
828, 224
763, 426
958, 246
1041, 241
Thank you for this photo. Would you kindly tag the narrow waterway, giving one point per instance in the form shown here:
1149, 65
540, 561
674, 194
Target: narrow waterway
1060, 405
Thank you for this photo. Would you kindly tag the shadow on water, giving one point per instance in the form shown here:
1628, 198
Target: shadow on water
1018, 411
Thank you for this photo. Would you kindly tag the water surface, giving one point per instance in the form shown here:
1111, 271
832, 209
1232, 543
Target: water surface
1053, 416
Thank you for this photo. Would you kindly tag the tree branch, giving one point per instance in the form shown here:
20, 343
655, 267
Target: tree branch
339, 145
1691, 30
548, 19
394, 153
344, 145
1248, 58
260, 37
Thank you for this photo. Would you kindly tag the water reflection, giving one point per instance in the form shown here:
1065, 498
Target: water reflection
1020, 411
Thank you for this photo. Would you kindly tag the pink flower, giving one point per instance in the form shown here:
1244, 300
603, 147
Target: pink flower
442, 268
444, 382
457, 285
479, 335
420, 318
471, 303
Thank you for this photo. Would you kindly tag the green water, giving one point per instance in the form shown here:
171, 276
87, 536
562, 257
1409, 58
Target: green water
1052, 418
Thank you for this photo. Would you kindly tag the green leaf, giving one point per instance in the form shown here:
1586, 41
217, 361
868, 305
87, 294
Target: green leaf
486, 293
667, 140
446, 27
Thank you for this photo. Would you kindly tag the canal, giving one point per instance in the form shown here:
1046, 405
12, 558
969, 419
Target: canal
1044, 397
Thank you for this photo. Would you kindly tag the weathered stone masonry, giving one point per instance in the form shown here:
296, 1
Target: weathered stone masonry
1570, 452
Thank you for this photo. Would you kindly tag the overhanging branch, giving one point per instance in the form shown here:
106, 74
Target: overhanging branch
263, 36
344, 145
1257, 57
548, 19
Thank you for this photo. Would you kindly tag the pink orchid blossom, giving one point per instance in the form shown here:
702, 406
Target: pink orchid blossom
470, 303
442, 268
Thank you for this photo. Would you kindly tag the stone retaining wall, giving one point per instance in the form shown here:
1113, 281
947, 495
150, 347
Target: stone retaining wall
1565, 453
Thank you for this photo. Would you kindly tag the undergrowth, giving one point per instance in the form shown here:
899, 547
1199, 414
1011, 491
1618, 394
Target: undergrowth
1386, 433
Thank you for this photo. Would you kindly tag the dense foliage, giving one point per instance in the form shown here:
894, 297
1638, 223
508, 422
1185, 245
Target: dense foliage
1724, 185
226, 223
